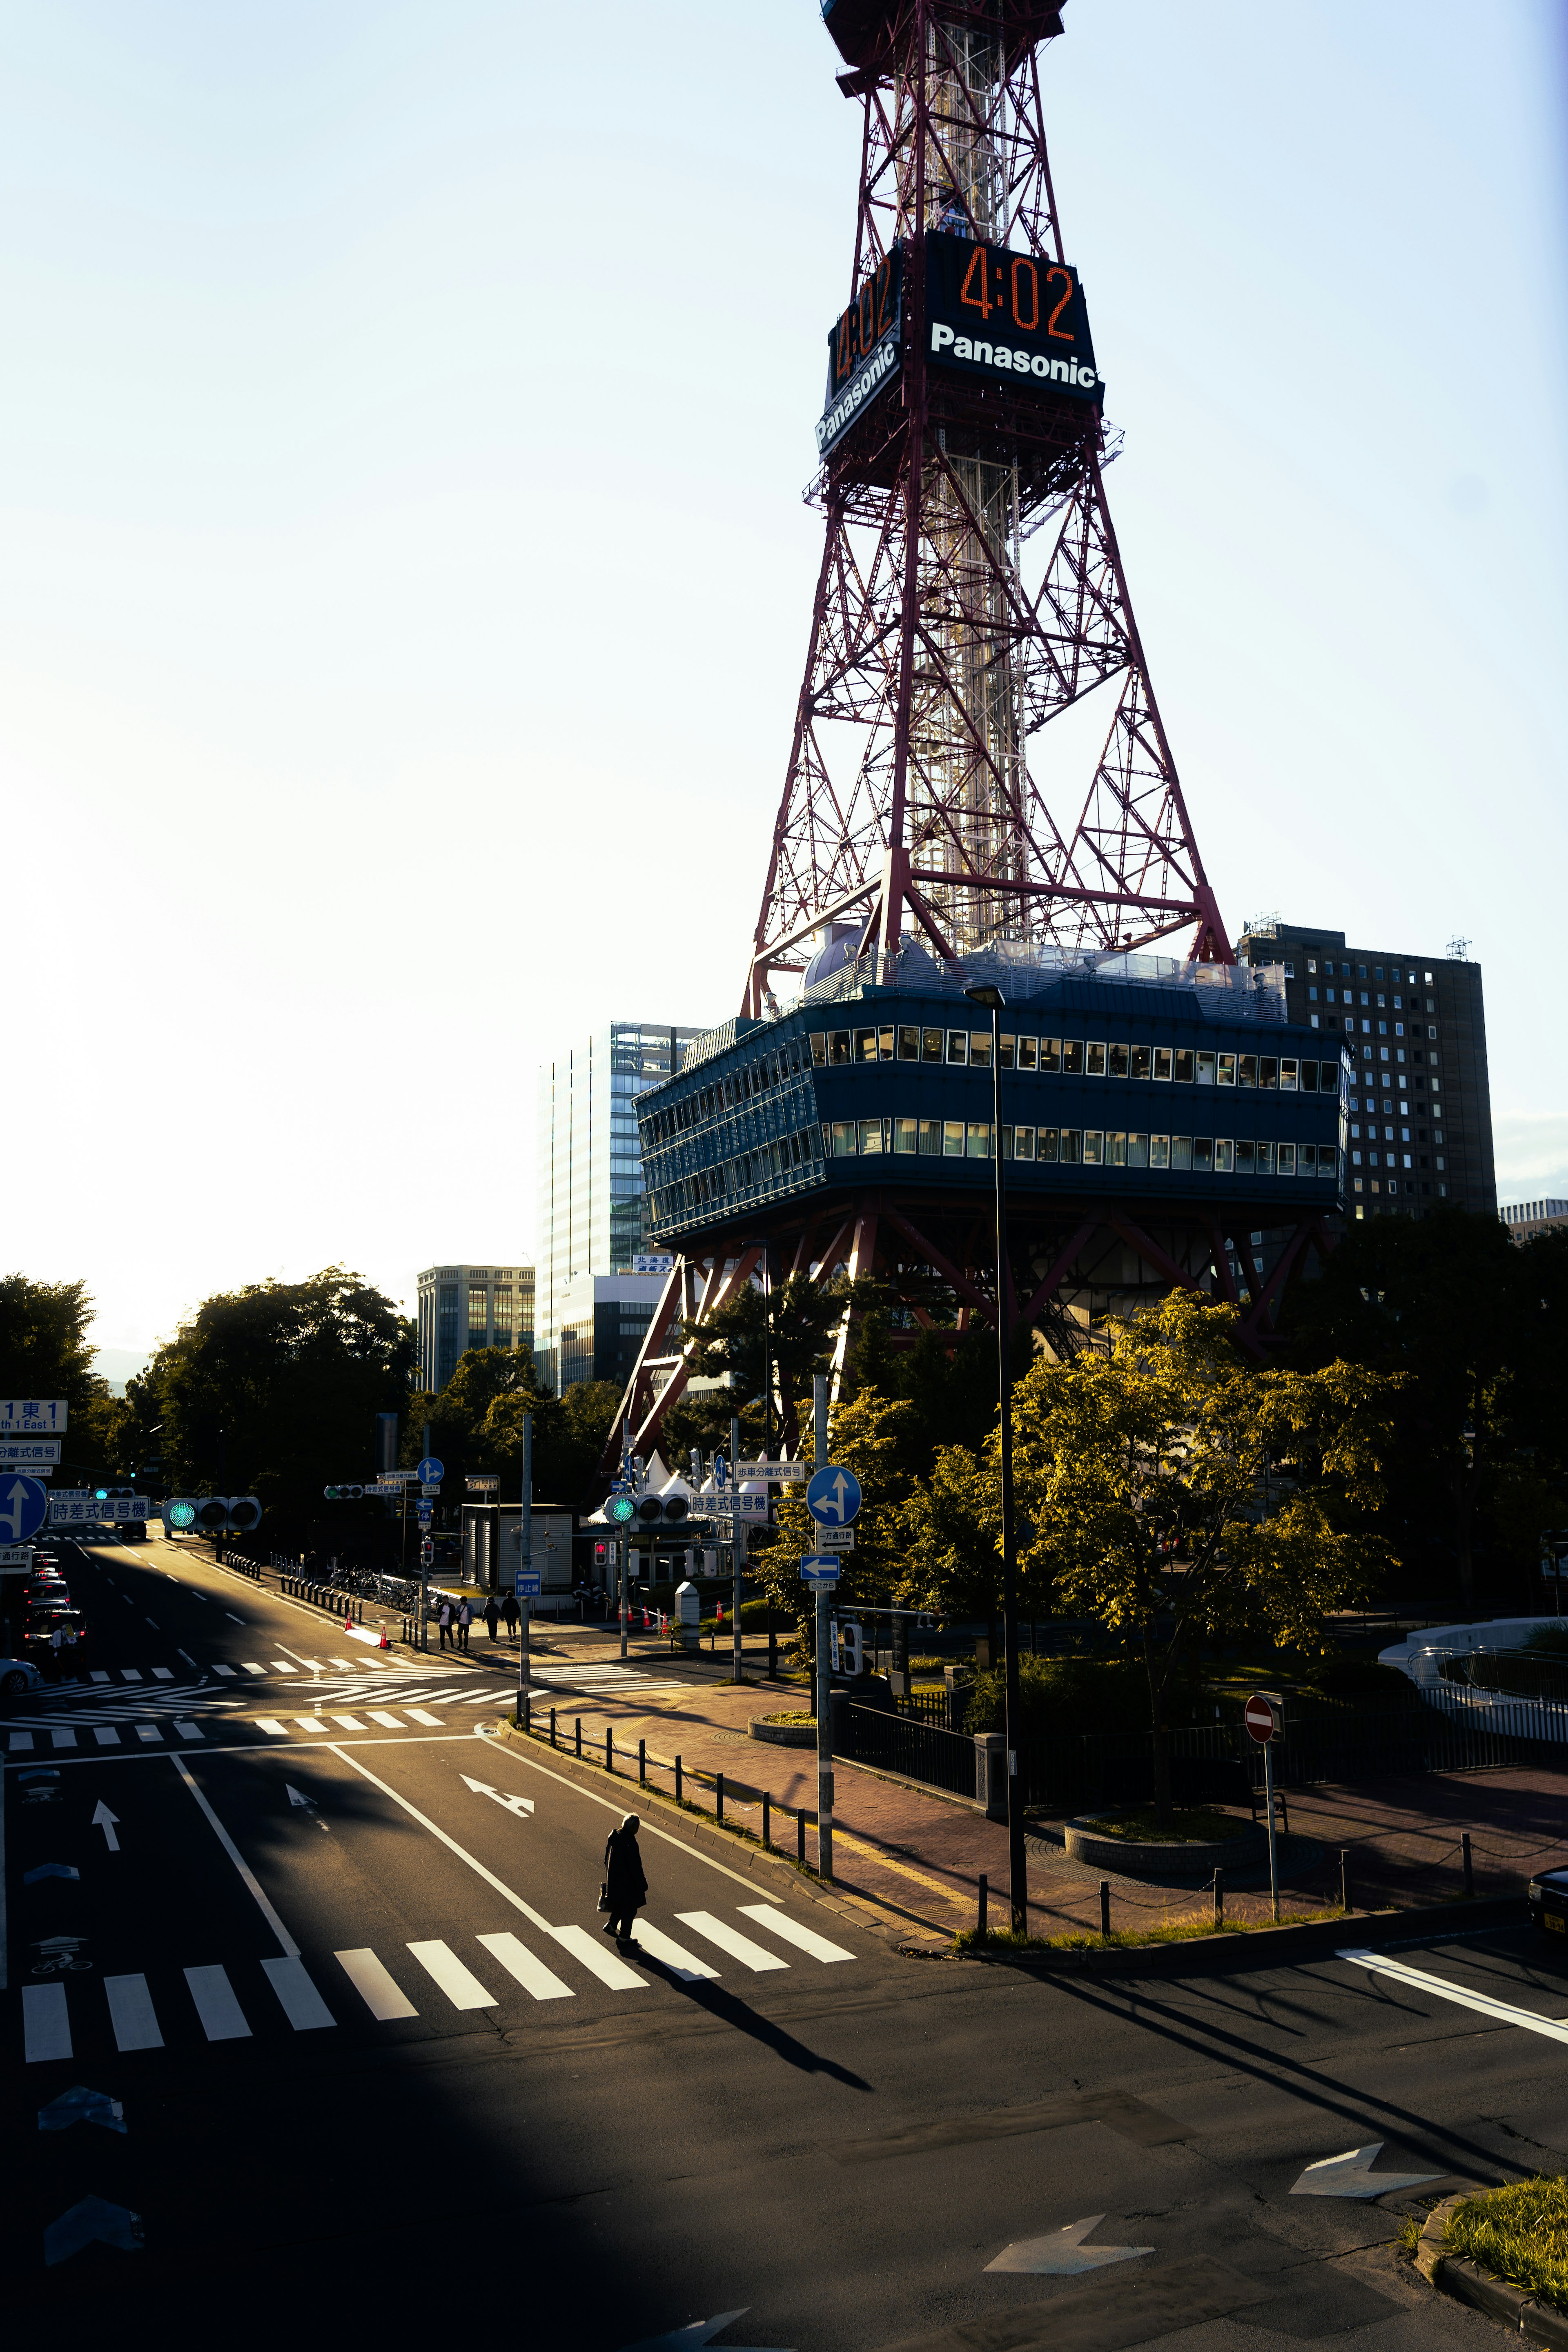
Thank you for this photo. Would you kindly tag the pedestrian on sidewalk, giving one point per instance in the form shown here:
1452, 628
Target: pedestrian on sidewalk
444, 1622
465, 1619
625, 1885
492, 1615
509, 1610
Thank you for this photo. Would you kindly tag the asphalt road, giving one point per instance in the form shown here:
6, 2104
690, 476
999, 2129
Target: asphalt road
376, 2067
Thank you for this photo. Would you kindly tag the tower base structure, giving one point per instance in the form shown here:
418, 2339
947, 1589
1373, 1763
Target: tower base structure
851, 1137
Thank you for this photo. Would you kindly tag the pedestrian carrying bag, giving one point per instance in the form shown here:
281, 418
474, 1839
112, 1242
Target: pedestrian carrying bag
605, 1897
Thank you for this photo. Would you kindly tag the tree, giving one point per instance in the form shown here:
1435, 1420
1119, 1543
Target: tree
1476, 1328
45, 1354
789, 1331
273, 1389
1176, 1493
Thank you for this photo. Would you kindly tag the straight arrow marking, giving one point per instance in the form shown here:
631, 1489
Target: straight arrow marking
686, 2339
521, 1806
1556, 2028
1064, 2254
1351, 2175
308, 1803
108, 1822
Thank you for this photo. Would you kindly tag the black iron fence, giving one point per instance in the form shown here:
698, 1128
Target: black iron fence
1218, 1764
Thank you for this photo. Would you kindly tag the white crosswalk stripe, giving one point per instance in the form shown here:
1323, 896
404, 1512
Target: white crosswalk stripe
190, 1731
599, 1959
729, 1940
459, 1984
302, 2004
131, 2014
675, 1957
806, 1940
46, 2023
531, 1974
217, 2006
162, 1675
106, 1736
376, 1988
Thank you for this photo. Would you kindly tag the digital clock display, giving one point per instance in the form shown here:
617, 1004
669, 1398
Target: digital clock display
865, 348
1008, 316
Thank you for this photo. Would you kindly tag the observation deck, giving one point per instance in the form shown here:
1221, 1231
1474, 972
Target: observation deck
1181, 1088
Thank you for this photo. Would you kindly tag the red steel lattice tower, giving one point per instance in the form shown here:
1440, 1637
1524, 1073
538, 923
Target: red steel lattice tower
972, 591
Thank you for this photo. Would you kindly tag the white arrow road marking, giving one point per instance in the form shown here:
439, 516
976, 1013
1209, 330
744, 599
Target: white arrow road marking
1554, 2028
295, 1796
701, 2331
107, 1821
87, 2223
1064, 2254
1351, 2175
521, 1806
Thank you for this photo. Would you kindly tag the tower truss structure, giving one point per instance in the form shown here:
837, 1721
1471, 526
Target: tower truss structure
972, 591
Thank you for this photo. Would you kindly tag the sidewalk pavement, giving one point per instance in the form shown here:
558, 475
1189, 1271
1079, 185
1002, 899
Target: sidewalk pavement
919, 1854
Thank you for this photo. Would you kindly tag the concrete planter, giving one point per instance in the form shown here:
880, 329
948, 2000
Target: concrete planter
1164, 1860
782, 1735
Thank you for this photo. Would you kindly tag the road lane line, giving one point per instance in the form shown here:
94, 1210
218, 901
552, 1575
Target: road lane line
673, 1956
131, 2014
459, 1984
1504, 2013
599, 1959
530, 1973
291, 1948
302, 2004
781, 1923
351, 1760
379, 1991
46, 2023
217, 2006
729, 1940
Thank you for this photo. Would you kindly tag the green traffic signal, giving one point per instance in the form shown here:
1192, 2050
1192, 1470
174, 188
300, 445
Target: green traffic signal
621, 1508
181, 1515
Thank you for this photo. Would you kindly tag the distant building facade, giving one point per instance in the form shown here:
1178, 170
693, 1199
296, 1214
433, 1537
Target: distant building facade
463, 1307
603, 1320
1415, 1029
590, 1170
1525, 1219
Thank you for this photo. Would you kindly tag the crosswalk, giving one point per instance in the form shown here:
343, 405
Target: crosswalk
186, 1731
120, 1718
422, 1978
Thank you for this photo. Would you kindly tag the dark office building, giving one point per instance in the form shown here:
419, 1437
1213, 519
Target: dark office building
1415, 1029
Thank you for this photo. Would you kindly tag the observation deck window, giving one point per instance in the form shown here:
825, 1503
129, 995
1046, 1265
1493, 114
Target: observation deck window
952, 1139
1204, 1064
909, 1045
931, 1045
1227, 1069
1028, 1052
1162, 1065
865, 1044
819, 1049
838, 1048
980, 1049
958, 1045
1072, 1057
1140, 1054
1120, 1061
905, 1134
1093, 1147
1094, 1065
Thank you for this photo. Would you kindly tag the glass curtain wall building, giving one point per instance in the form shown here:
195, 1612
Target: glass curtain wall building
463, 1307
591, 1205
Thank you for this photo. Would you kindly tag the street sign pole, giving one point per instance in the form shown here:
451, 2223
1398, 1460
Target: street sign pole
626, 1573
425, 1573
525, 1567
736, 1555
1269, 1800
1261, 1717
824, 1670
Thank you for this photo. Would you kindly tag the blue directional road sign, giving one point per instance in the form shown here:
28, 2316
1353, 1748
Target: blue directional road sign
24, 1506
424, 1510
820, 1568
833, 1496
430, 1472
526, 1584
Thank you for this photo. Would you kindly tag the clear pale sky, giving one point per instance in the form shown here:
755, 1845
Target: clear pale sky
404, 580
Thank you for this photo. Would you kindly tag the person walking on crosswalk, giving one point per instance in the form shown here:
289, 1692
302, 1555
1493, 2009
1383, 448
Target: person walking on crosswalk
625, 1886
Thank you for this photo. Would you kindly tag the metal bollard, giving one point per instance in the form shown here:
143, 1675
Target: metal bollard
981, 1926
579, 1736
642, 1763
1219, 1898
1105, 1907
609, 1747
1469, 1868
1345, 1878
553, 1727
800, 1837
677, 1779
767, 1836
718, 1796
527, 1713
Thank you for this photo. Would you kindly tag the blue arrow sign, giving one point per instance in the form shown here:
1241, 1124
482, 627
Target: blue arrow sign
24, 1505
833, 1496
820, 1568
430, 1472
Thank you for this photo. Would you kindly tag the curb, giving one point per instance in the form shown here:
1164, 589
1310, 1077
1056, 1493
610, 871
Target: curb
738, 1851
1265, 1947
1454, 2275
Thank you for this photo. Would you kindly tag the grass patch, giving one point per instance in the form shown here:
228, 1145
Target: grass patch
1196, 1825
1122, 1939
789, 1715
1518, 2233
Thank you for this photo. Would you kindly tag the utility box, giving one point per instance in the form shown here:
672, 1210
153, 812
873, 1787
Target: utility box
491, 1552
688, 1614
990, 1773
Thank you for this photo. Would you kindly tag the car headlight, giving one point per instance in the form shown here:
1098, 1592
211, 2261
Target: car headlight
1532, 1892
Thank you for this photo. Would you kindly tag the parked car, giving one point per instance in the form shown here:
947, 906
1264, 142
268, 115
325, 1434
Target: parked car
1547, 1896
37, 1640
18, 1674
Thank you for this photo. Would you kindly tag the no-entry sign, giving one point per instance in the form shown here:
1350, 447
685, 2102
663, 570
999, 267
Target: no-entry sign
1261, 1715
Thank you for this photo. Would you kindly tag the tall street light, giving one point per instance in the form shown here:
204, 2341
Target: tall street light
993, 999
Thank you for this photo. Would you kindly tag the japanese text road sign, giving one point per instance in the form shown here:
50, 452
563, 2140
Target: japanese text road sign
833, 1496
785, 1472
526, 1583
1261, 1715
818, 1568
15, 1560
23, 1505
24, 1417
429, 1471
26, 1452
477, 1485
835, 1538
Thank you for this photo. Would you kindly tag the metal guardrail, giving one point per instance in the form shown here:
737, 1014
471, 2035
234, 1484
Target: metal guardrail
329, 1597
921, 1751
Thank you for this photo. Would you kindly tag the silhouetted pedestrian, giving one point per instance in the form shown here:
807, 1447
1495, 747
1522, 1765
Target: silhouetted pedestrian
509, 1610
465, 1619
444, 1619
625, 1885
492, 1616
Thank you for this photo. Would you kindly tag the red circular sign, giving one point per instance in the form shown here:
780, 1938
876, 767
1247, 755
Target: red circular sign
1260, 1718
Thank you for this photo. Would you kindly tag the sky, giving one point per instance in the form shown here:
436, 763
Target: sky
405, 576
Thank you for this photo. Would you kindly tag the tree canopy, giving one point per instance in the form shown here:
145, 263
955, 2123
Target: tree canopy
45, 1354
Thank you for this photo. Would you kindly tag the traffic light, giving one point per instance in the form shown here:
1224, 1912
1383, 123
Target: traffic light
213, 1515
621, 1509
601, 1555
662, 1510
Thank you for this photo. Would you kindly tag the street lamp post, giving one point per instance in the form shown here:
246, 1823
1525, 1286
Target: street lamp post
993, 1000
